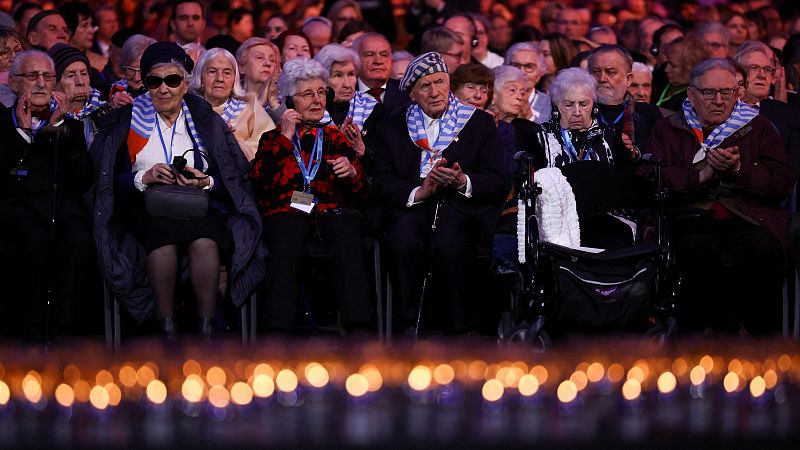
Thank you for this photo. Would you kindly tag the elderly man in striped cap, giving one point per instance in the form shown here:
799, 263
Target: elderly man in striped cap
440, 175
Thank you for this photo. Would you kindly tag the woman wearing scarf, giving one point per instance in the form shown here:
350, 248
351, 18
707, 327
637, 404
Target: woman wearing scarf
131, 85
727, 163
573, 136
135, 149
439, 163
357, 115
309, 185
215, 79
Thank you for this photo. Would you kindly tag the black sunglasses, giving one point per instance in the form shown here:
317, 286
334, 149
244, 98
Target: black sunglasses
153, 82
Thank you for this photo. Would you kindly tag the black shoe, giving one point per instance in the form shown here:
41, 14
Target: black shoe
167, 328
206, 326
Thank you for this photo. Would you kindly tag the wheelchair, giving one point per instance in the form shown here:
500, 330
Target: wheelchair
558, 289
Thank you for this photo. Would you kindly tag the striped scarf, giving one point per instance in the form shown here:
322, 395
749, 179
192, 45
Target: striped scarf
450, 124
742, 114
93, 103
361, 107
123, 83
233, 109
143, 121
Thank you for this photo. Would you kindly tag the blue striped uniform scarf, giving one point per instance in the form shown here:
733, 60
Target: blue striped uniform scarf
143, 119
742, 115
361, 107
450, 124
233, 109
93, 103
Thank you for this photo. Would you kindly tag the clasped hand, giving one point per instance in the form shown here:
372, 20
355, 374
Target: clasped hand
162, 174
442, 176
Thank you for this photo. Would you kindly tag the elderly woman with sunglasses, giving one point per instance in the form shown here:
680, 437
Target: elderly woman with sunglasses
215, 79
137, 149
309, 185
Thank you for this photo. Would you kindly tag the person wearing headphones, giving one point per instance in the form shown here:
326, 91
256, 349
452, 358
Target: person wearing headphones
464, 26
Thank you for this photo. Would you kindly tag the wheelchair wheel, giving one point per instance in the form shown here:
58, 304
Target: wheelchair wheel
538, 343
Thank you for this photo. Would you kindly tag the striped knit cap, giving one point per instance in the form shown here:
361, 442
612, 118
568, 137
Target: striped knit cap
425, 64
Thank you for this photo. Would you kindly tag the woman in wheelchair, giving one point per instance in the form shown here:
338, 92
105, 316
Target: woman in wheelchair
598, 171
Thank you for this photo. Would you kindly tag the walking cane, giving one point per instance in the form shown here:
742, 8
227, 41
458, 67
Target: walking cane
429, 273
51, 268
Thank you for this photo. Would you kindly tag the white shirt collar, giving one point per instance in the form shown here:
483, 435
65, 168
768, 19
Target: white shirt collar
362, 87
427, 120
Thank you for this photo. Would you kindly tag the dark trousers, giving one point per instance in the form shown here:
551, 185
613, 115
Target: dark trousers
733, 272
450, 253
67, 264
286, 236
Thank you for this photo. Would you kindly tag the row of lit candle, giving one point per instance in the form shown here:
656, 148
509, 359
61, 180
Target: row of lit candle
245, 381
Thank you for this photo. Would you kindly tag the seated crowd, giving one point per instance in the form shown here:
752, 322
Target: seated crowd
221, 144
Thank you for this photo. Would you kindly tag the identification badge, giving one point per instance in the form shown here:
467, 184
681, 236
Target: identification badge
303, 201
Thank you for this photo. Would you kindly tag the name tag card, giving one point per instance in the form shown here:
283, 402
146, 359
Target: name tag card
303, 201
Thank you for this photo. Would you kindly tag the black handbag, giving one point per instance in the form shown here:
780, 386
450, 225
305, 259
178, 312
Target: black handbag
174, 201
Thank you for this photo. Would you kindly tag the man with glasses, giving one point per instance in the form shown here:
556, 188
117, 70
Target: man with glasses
448, 44
759, 61
725, 167
44, 151
526, 57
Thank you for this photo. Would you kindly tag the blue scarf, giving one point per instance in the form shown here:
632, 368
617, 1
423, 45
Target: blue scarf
233, 109
451, 123
93, 103
742, 115
143, 119
361, 107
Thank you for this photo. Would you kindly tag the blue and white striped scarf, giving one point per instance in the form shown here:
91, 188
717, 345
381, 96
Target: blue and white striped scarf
742, 115
450, 124
360, 108
143, 120
123, 83
233, 109
93, 103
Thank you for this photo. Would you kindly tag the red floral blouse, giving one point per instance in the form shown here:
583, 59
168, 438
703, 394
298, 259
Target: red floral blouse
275, 174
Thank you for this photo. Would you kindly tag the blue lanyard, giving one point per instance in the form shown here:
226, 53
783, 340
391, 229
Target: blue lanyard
309, 171
619, 117
167, 156
33, 132
566, 136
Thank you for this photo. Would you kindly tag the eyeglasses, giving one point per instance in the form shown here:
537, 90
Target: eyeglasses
529, 67
154, 82
6, 53
458, 55
309, 95
711, 94
769, 70
131, 71
33, 76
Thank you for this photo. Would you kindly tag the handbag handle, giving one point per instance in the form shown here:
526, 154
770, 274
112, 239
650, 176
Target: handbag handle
179, 162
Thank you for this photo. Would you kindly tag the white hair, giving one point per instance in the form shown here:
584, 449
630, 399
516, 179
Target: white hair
714, 27
23, 57
570, 79
402, 55
336, 53
196, 83
300, 69
526, 47
507, 74
754, 47
133, 48
642, 67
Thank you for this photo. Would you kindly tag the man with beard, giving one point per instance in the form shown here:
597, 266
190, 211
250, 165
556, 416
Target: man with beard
44, 172
611, 66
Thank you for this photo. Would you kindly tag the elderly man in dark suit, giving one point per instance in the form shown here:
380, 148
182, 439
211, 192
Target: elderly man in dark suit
375, 53
761, 64
439, 166
44, 172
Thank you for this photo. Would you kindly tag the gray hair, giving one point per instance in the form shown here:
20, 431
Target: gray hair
22, 57
402, 55
710, 64
507, 74
526, 47
368, 35
754, 47
336, 53
300, 69
133, 48
316, 19
569, 79
254, 41
714, 27
196, 83
616, 48
171, 63
439, 39
641, 67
